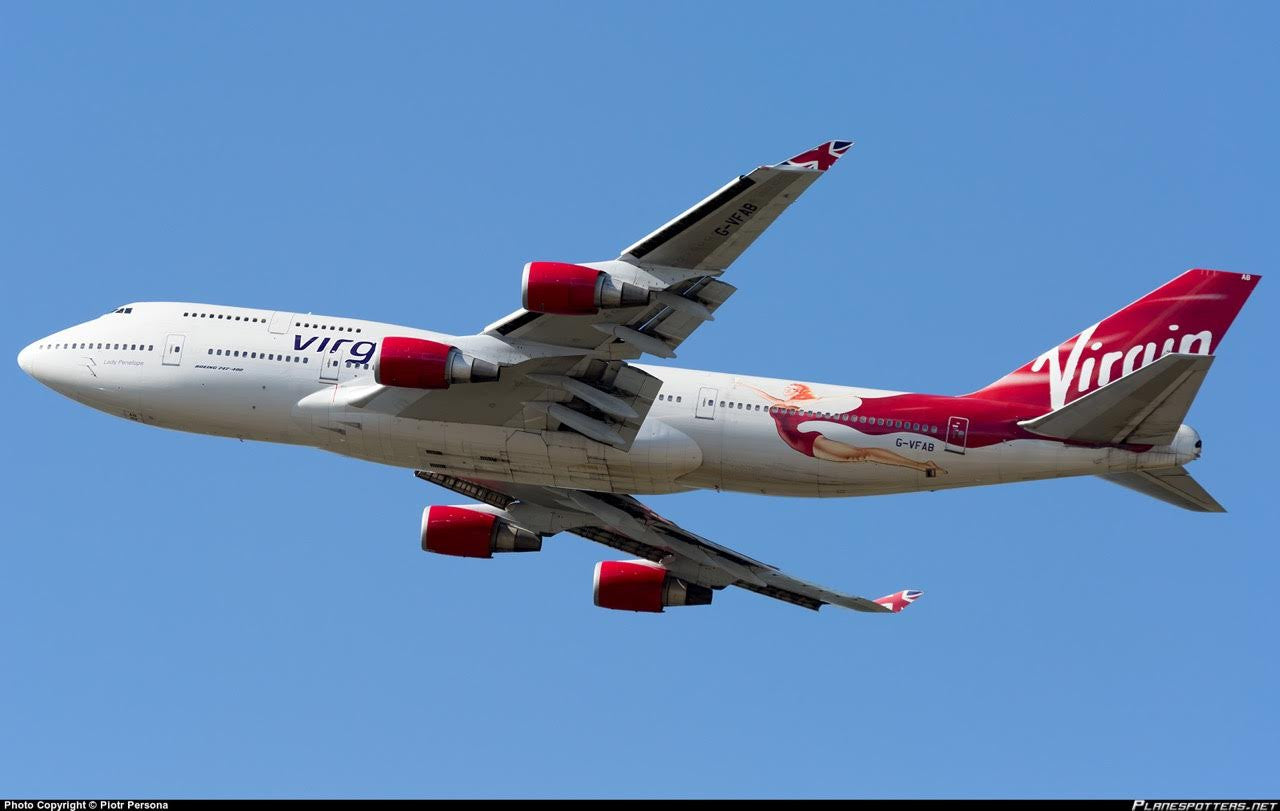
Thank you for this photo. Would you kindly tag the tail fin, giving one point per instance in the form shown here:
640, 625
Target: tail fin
1187, 316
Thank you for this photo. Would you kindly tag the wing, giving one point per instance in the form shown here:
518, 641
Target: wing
570, 371
623, 523
679, 263
709, 236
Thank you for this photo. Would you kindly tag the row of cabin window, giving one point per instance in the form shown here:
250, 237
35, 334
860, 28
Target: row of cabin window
671, 398
860, 418
92, 345
245, 318
328, 326
237, 353
850, 418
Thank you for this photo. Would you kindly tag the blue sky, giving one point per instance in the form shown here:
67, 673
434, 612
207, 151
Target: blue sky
185, 615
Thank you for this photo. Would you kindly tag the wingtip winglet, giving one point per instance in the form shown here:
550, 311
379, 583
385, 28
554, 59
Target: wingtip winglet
899, 599
820, 158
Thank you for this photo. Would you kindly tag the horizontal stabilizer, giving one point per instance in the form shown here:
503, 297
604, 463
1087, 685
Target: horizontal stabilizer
1173, 485
1145, 407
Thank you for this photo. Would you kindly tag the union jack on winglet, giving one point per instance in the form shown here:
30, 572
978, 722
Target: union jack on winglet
899, 599
821, 157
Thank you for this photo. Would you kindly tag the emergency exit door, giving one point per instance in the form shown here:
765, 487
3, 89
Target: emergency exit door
330, 365
706, 409
957, 434
173, 350
280, 323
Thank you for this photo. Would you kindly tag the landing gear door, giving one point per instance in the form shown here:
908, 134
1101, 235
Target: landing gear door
957, 434
173, 350
706, 409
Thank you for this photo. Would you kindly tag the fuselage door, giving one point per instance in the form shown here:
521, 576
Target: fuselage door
173, 350
957, 434
706, 409
330, 365
280, 323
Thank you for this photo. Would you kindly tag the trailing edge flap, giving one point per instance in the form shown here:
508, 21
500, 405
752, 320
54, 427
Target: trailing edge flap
1145, 407
1173, 485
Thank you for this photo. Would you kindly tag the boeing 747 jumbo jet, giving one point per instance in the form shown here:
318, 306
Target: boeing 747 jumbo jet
545, 419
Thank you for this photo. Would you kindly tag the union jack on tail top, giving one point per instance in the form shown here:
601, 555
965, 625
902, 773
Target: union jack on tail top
822, 157
899, 599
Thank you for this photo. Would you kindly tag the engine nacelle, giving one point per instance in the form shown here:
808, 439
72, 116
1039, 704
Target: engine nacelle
416, 363
468, 533
563, 289
639, 585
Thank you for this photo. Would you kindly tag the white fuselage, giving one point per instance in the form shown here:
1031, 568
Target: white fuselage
278, 377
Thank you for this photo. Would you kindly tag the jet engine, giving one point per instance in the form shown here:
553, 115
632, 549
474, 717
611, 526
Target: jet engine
639, 585
417, 363
563, 289
467, 533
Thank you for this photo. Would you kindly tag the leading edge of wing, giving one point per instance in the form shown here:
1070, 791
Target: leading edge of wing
716, 230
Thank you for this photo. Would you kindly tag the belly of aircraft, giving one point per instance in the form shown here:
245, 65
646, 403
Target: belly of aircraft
658, 458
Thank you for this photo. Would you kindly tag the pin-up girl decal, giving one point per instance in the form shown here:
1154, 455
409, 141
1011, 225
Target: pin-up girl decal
798, 407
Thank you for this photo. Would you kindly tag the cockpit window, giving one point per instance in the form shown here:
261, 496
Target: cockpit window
121, 311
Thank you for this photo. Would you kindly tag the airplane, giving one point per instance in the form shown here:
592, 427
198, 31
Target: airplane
545, 420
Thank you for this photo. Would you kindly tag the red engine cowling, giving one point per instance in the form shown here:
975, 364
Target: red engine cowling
468, 533
564, 289
639, 585
417, 363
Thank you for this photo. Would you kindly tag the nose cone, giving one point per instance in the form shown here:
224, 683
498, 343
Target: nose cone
25, 359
